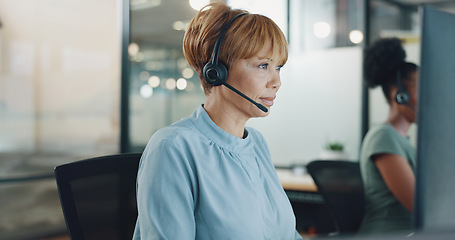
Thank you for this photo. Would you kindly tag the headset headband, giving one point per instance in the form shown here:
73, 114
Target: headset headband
219, 41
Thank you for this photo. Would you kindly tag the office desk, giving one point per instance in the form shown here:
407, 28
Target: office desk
291, 181
299, 188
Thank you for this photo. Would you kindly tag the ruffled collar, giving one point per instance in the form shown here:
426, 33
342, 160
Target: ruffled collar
218, 136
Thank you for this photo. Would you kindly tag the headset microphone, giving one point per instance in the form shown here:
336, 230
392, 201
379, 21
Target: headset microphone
215, 73
260, 106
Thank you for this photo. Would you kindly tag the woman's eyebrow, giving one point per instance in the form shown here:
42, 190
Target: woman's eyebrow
265, 58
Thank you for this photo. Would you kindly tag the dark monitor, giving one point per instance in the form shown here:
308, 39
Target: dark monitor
435, 192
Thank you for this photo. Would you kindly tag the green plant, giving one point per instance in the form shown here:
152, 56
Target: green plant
335, 146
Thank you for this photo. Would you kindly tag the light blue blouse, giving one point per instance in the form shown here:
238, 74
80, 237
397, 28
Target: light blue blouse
196, 181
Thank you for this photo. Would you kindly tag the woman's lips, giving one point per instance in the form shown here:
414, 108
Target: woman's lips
267, 100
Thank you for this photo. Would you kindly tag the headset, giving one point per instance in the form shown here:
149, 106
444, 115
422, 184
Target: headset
216, 73
402, 96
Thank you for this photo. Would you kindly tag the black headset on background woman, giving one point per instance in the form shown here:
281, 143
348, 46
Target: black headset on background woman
216, 73
402, 95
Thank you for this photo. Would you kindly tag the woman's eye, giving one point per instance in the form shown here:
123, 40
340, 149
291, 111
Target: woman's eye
264, 66
279, 67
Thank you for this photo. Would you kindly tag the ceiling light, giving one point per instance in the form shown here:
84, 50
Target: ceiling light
170, 84
154, 81
198, 4
146, 91
181, 84
187, 73
178, 25
321, 29
356, 36
133, 49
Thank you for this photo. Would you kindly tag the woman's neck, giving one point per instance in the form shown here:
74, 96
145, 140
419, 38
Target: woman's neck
225, 117
398, 121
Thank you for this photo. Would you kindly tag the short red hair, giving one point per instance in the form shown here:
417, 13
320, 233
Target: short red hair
244, 39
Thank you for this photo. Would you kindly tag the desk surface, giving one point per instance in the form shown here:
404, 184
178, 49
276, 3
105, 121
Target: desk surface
291, 181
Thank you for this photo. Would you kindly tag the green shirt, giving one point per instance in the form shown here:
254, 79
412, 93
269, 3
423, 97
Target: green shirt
383, 212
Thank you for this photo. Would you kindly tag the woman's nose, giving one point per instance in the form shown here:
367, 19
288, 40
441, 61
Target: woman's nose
275, 82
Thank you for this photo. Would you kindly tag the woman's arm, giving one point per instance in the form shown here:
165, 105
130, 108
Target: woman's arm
399, 177
165, 193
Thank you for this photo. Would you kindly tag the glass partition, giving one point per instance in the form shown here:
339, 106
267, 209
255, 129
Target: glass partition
59, 102
163, 87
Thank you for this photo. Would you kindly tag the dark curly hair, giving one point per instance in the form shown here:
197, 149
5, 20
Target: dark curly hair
381, 62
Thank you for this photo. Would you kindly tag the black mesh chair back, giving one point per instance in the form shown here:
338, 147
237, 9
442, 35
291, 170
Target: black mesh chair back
340, 184
98, 196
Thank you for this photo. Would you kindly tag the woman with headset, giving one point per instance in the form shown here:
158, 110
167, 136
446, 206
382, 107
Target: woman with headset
208, 176
387, 158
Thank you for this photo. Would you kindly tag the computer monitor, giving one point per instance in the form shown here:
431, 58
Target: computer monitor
435, 201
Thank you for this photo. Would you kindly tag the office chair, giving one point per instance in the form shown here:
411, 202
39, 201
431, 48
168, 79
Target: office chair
340, 184
98, 196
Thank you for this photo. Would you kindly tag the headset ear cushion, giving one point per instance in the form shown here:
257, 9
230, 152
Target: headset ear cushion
402, 97
215, 74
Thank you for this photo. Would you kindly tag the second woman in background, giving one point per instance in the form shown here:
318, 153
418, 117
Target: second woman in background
388, 159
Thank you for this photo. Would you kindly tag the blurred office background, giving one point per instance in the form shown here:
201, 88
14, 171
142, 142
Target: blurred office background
67, 92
